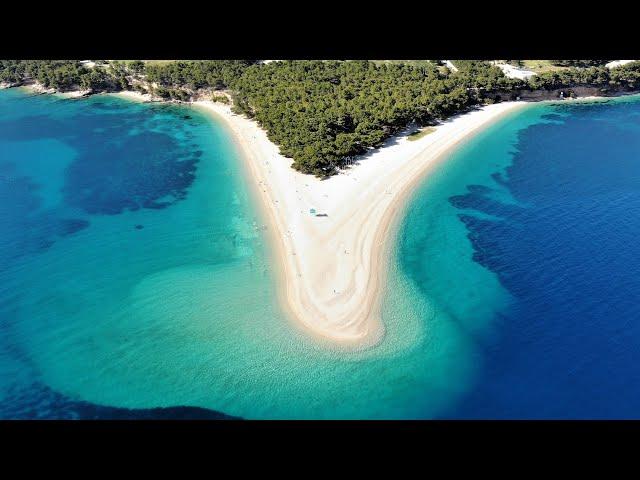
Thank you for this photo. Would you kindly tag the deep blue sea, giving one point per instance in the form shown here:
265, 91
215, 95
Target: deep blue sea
136, 282
566, 247
550, 202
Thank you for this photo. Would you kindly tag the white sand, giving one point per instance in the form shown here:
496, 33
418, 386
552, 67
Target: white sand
333, 266
135, 96
450, 66
618, 63
73, 94
514, 72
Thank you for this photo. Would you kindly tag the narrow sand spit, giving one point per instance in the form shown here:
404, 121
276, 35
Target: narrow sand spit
333, 266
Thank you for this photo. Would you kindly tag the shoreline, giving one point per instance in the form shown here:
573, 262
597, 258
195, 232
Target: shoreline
332, 269
38, 89
134, 96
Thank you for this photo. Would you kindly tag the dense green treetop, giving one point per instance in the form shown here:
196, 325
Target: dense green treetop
63, 75
322, 113
194, 75
579, 63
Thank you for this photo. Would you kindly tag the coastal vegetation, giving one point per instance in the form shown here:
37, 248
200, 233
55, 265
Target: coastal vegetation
323, 114
418, 134
220, 99
537, 66
413, 63
195, 75
64, 75
578, 63
625, 77
544, 66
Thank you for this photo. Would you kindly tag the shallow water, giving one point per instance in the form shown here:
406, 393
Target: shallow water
135, 274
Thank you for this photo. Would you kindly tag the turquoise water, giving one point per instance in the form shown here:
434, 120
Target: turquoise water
136, 274
162, 294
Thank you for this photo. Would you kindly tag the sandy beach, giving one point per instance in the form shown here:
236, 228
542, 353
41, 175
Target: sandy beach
332, 266
135, 96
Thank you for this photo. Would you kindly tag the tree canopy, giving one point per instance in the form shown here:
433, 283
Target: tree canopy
323, 113
64, 75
